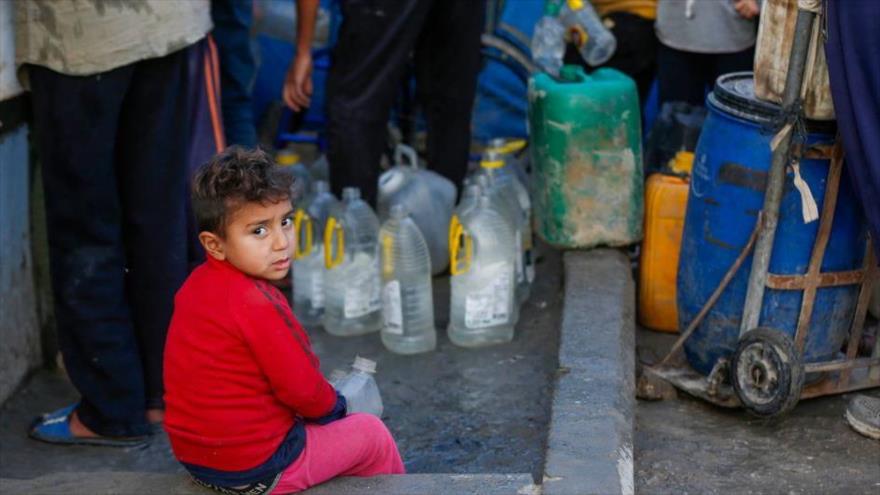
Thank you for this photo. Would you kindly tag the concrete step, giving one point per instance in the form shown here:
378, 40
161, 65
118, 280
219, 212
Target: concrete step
122, 483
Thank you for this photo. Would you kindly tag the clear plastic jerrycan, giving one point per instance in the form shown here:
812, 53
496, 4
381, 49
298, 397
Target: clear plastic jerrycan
483, 310
352, 303
289, 162
512, 198
360, 389
407, 299
308, 265
515, 155
427, 196
595, 42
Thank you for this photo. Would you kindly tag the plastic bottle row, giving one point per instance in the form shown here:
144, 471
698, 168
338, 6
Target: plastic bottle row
353, 276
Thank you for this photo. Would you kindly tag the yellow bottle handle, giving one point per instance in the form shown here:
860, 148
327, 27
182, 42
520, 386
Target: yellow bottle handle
459, 238
511, 146
333, 229
300, 252
387, 255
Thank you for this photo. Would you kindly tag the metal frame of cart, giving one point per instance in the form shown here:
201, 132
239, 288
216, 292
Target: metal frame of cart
766, 373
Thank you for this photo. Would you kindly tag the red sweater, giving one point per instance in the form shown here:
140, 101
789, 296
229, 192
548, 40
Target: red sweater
239, 370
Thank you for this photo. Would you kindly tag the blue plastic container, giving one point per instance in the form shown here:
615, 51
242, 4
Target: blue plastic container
727, 191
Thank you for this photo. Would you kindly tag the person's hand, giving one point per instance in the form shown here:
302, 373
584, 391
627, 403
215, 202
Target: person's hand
297, 91
747, 9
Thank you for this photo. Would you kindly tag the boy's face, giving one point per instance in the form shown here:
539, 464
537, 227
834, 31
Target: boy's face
259, 240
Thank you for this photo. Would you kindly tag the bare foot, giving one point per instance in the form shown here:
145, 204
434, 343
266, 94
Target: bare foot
78, 429
155, 416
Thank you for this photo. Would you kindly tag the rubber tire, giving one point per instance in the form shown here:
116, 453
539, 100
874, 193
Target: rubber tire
790, 372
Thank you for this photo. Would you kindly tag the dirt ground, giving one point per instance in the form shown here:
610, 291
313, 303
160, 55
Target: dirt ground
688, 446
454, 410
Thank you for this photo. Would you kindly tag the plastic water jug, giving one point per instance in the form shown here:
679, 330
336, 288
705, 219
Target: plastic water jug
513, 152
308, 265
548, 40
360, 389
587, 178
482, 262
594, 41
320, 169
289, 161
352, 303
407, 299
512, 198
427, 196
665, 204
470, 196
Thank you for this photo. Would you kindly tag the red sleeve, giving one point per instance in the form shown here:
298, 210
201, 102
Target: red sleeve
282, 351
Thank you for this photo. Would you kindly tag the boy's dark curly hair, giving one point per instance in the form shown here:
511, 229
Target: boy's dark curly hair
231, 178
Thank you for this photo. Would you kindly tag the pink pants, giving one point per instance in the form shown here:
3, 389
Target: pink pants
356, 445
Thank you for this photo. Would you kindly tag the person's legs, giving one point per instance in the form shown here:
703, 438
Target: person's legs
357, 445
151, 166
636, 54
232, 25
725, 63
375, 39
681, 75
75, 122
448, 60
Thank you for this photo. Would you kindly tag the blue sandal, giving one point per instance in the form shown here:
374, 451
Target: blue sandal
54, 427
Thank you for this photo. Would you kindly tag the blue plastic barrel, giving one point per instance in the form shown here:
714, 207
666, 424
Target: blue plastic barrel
730, 172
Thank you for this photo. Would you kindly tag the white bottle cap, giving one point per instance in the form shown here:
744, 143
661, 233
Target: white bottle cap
364, 364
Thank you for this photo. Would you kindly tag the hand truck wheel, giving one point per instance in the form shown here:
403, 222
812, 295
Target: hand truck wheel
766, 372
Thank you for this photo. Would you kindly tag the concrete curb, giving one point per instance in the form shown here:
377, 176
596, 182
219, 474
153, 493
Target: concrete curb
162, 483
590, 441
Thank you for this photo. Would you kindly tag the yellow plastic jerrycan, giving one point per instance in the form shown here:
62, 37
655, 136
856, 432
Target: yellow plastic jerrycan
665, 205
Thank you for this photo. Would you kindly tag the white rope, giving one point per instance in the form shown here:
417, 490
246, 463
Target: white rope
809, 209
810, 5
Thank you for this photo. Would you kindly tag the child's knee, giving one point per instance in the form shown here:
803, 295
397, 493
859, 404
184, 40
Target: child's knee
373, 428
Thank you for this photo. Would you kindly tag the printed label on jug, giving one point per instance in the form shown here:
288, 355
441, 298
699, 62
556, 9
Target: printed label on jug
392, 312
491, 305
520, 276
317, 289
362, 298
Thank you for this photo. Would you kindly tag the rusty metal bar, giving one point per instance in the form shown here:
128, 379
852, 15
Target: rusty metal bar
841, 364
827, 279
814, 271
828, 387
715, 295
776, 177
858, 323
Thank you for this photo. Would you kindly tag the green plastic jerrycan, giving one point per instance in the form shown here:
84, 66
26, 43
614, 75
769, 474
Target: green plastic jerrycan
586, 158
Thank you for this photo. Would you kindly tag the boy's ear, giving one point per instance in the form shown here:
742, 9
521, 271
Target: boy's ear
213, 245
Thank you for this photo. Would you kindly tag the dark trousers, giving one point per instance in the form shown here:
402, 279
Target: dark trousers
853, 53
374, 45
636, 54
232, 33
113, 150
685, 76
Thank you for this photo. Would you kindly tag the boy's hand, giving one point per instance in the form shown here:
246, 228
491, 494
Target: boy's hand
747, 9
297, 92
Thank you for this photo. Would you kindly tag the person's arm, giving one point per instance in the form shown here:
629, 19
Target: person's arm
297, 92
747, 9
283, 353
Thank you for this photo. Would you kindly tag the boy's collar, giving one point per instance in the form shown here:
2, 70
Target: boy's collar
222, 264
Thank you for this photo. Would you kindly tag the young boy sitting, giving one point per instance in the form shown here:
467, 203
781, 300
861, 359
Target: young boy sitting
247, 408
